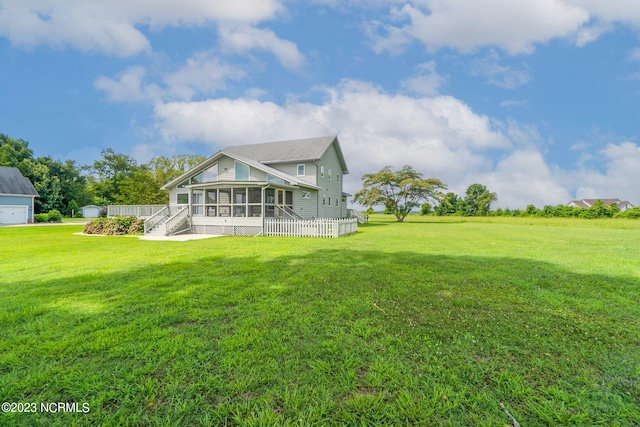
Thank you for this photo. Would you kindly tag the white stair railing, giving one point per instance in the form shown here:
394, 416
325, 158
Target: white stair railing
155, 219
177, 220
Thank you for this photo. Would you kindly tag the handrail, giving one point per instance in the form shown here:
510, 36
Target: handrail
286, 213
152, 221
362, 218
292, 213
177, 219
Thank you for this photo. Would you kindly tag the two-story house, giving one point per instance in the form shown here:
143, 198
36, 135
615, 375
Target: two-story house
243, 185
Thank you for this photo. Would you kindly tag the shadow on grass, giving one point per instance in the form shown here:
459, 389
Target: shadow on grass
361, 337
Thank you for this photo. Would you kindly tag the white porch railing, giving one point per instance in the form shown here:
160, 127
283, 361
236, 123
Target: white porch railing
133, 210
310, 228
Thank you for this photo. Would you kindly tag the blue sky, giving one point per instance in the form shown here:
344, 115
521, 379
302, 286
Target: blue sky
537, 100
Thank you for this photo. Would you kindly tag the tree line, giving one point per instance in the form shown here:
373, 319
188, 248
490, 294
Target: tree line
114, 178
404, 190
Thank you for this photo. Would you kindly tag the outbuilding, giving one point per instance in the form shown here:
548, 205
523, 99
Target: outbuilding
17, 195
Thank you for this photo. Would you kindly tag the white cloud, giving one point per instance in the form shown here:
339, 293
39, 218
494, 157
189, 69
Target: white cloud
499, 75
634, 54
523, 178
618, 179
112, 27
426, 82
202, 74
467, 24
129, 86
244, 38
440, 136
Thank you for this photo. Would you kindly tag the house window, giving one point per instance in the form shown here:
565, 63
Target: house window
300, 170
337, 177
197, 179
197, 200
306, 195
275, 179
183, 199
324, 200
183, 184
329, 174
211, 174
242, 172
212, 197
329, 201
321, 171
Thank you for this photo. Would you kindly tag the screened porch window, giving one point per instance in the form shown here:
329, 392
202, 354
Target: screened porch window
236, 202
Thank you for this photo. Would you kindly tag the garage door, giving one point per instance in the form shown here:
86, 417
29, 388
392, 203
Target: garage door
13, 214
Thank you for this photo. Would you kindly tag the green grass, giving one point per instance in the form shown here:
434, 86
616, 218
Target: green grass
435, 321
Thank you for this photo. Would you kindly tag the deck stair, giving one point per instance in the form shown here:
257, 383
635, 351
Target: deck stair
168, 221
361, 217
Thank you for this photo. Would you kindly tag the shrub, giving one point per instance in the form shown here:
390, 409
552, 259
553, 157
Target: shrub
629, 213
41, 217
54, 216
115, 226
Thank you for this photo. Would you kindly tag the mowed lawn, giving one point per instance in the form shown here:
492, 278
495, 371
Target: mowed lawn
435, 321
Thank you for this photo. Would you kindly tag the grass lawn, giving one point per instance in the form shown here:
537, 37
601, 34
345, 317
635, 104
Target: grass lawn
435, 321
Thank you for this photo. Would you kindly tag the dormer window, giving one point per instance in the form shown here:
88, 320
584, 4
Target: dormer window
301, 170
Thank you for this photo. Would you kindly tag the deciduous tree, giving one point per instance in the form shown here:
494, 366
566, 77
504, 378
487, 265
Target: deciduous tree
399, 191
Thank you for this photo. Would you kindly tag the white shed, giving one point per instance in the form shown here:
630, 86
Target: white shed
91, 211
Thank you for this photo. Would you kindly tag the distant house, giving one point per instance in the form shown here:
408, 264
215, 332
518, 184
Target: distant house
17, 196
587, 203
91, 211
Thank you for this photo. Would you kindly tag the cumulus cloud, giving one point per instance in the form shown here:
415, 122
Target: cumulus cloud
202, 74
426, 81
112, 27
245, 38
467, 24
129, 86
616, 179
439, 135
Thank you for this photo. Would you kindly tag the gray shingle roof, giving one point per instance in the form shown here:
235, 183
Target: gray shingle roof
12, 182
284, 151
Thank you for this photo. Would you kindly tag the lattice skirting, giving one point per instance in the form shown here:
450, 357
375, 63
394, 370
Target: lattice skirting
227, 230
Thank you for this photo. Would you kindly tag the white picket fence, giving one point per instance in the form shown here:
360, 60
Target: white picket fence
310, 227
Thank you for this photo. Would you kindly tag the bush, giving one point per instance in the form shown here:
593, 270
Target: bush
41, 217
115, 226
633, 213
54, 216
